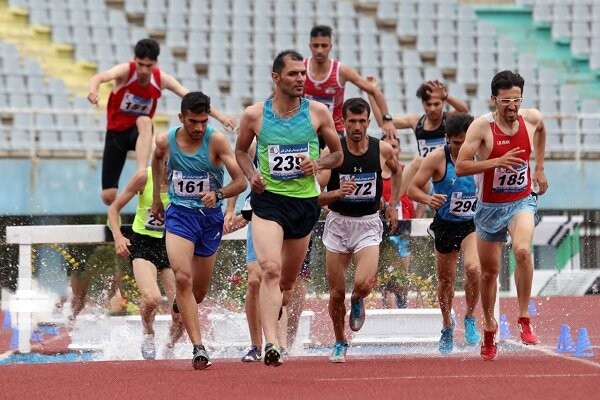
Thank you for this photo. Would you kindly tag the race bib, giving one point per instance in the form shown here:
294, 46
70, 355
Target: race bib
132, 104
153, 224
462, 205
365, 187
328, 101
190, 186
284, 163
426, 146
506, 181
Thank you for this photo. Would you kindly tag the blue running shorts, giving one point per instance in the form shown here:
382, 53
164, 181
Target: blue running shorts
492, 219
202, 226
250, 253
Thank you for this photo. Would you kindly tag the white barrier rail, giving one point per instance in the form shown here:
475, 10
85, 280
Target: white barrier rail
26, 301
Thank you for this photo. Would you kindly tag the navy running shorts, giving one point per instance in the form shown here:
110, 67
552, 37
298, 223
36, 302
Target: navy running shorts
202, 226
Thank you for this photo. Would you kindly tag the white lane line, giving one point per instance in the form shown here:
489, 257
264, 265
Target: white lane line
469, 376
551, 351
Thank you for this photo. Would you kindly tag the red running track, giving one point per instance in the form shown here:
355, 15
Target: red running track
530, 373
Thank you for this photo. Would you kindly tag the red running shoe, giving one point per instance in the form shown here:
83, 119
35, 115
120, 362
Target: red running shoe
489, 350
528, 336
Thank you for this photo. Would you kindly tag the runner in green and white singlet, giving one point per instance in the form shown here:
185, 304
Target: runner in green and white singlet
284, 189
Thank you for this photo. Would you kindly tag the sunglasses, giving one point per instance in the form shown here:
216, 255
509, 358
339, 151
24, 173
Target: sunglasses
506, 102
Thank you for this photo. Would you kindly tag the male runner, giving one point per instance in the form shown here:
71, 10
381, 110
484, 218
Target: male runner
194, 219
326, 79
507, 202
353, 226
453, 229
146, 248
137, 87
284, 189
429, 128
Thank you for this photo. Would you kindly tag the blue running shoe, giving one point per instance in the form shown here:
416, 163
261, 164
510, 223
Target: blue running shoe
200, 359
338, 355
446, 343
472, 335
252, 355
357, 315
273, 355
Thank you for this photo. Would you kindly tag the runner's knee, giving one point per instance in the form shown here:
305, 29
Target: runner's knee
144, 124
108, 196
522, 253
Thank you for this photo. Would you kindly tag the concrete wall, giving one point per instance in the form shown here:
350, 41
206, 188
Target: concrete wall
72, 187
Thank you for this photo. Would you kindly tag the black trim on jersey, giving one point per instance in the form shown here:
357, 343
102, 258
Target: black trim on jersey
421, 133
367, 162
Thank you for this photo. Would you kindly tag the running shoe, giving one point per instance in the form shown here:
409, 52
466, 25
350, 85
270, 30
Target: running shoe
284, 353
446, 341
273, 355
338, 355
472, 335
357, 315
489, 350
169, 353
528, 336
253, 355
175, 307
148, 348
200, 359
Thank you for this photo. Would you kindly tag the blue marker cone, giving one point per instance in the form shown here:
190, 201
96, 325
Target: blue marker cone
532, 310
14, 340
565, 340
6, 321
583, 348
504, 328
37, 336
50, 329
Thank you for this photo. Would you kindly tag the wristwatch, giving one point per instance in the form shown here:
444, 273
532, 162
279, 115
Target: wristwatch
219, 195
387, 117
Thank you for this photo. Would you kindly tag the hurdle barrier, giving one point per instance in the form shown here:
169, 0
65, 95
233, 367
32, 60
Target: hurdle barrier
26, 301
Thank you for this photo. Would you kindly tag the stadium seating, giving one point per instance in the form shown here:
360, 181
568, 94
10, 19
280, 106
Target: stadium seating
225, 48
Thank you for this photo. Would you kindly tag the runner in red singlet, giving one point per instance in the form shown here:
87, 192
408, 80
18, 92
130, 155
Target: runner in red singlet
326, 78
507, 195
137, 87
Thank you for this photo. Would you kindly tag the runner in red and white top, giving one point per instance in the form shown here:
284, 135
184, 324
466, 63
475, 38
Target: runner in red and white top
137, 87
502, 142
326, 78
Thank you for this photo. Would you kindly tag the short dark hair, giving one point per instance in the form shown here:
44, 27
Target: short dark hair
196, 102
321, 30
147, 48
356, 105
279, 62
458, 124
506, 80
423, 92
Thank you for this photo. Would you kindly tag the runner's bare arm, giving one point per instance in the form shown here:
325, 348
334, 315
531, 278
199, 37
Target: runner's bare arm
225, 154
539, 147
172, 84
117, 73
426, 171
408, 121
351, 75
465, 165
134, 186
248, 126
391, 213
158, 170
326, 128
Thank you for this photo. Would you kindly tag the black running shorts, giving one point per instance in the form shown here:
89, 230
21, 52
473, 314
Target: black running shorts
297, 216
150, 249
116, 146
448, 235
